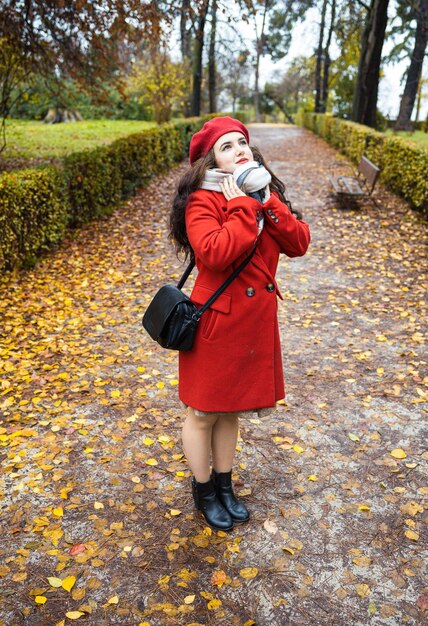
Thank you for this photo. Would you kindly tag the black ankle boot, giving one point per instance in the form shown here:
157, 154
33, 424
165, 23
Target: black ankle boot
223, 484
207, 502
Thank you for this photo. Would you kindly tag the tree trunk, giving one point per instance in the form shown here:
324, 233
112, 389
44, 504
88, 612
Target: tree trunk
211, 61
366, 90
327, 59
319, 61
415, 68
259, 51
185, 34
198, 47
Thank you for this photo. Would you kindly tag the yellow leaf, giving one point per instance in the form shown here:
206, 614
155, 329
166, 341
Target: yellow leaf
362, 561
249, 622
173, 381
55, 582
160, 385
353, 437
249, 572
136, 479
189, 599
411, 534
411, 508
313, 477
59, 512
114, 600
298, 449
74, 614
115, 393
164, 439
290, 550
40, 599
398, 453
363, 590
98, 505
148, 442
68, 583
363, 507
214, 604
151, 462
175, 512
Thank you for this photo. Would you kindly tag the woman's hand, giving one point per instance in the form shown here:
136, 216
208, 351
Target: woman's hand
230, 189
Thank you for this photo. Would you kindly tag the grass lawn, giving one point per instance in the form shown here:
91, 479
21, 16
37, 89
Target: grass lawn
31, 140
418, 137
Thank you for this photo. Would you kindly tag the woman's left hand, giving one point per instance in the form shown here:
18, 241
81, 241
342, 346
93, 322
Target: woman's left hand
230, 189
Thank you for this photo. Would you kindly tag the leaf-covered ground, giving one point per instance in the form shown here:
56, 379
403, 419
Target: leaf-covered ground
97, 521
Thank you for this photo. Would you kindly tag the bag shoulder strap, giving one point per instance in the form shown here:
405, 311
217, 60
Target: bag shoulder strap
226, 283
186, 274
222, 287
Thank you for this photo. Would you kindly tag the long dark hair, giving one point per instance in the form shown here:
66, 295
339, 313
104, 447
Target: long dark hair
192, 180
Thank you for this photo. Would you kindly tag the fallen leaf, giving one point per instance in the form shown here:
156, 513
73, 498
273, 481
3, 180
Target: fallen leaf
68, 583
398, 453
363, 590
113, 600
40, 599
249, 572
218, 578
411, 534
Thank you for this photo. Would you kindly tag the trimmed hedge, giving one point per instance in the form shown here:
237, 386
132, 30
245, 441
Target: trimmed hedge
404, 166
33, 215
37, 205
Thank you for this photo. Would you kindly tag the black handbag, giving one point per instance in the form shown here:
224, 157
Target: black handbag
171, 318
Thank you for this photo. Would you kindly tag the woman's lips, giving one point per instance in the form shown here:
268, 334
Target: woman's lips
242, 161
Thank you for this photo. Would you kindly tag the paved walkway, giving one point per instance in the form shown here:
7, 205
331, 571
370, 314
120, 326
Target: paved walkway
96, 489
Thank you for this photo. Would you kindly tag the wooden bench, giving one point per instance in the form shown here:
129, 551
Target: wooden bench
360, 185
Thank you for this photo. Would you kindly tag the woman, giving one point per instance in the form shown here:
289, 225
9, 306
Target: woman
236, 363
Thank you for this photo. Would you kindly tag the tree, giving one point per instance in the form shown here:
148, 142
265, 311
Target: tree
344, 68
236, 71
273, 22
159, 82
295, 89
198, 46
323, 60
419, 10
81, 41
212, 73
366, 91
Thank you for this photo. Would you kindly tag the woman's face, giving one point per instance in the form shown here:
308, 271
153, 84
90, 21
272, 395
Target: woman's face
232, 150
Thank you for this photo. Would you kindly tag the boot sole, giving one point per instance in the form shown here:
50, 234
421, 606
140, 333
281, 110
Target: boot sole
202, 516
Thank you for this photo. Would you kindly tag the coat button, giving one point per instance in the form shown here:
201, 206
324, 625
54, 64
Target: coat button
270, 287
250, 292
276, 220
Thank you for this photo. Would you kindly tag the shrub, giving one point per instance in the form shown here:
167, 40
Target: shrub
33, 214
36, 205
404, 166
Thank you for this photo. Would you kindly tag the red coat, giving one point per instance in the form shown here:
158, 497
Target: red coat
236, 362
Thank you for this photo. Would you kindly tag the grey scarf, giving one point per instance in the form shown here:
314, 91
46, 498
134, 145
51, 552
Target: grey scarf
251, 177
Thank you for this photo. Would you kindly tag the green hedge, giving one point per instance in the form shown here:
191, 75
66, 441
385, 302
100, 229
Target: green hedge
404, 166
33, 214
37, 205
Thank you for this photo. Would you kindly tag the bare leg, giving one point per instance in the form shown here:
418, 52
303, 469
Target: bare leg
196, 437
223, 441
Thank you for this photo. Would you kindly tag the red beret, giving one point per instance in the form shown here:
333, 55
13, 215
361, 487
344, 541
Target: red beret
202, 141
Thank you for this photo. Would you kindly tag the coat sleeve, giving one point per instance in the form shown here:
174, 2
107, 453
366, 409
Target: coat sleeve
291, 234
216, 242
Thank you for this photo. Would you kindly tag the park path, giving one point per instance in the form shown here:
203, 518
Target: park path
95, 486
